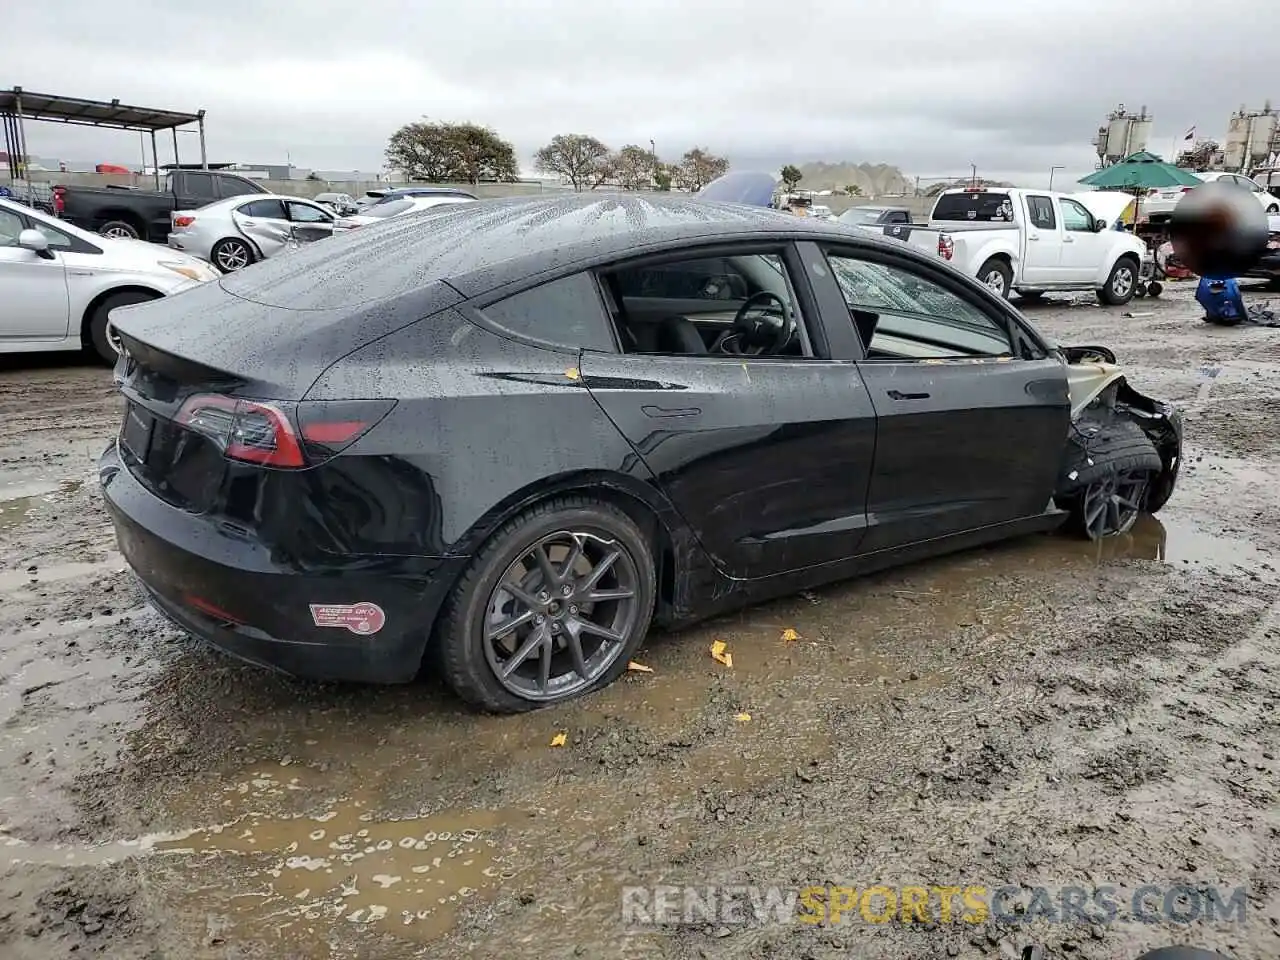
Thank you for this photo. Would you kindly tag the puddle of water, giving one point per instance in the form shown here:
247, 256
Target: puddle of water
19, 579
14, 511
17, 498
1172, 541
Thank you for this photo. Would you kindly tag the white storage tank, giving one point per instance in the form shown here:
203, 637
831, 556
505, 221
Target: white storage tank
1262, 131
1237, 141
1117, 138
1139, 134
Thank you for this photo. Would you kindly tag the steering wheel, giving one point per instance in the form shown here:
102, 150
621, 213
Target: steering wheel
758, 327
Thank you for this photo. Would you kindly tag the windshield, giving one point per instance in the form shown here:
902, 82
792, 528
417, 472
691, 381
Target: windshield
389, 209
980, 206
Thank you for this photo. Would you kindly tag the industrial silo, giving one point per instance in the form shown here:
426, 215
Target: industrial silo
1117, 138
1139, 133
1237, 145
1262, 135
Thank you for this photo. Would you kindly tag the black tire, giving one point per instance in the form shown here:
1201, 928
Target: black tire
1140, 291
1031, 296
231, 254
98, 339
1155, 288
1097, 452
1274, 208
996, 275
459, 644
1274, 284
1121, 283
120, 228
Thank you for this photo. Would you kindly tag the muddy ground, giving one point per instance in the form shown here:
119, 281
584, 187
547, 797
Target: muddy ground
1042, 713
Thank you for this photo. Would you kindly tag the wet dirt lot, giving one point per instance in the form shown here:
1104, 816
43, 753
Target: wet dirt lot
1042, 713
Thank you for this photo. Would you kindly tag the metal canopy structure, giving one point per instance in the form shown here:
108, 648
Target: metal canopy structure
18, 105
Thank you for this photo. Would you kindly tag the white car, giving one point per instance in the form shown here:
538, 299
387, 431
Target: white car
58, 283
821, 212
238, 231
396, 208
1158, 204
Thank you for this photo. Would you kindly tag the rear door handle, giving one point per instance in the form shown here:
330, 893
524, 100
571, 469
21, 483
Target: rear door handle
899, 395
1068, 239
650, 410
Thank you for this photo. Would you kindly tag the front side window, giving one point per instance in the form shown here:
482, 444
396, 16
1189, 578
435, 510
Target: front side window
1075, 217
901, 315
728, 305
10, 228
305, 213
566, 312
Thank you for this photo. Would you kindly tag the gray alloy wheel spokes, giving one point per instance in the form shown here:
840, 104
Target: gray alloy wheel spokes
119, 233
1110, 505
1122, 283
561, 615
233, 256
995, 281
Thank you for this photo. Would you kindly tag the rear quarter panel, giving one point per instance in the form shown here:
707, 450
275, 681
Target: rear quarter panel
484, 424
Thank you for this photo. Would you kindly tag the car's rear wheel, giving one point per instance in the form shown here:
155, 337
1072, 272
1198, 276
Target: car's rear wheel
1274, 208
120, 229
1121, 283
996, 275
552, 606
231, 254
101, 337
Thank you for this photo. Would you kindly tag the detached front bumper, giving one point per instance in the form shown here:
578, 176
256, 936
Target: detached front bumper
362, 619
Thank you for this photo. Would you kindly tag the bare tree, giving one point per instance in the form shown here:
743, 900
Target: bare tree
699, 167
583, 160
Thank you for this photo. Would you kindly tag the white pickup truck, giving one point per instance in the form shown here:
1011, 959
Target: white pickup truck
1032, 241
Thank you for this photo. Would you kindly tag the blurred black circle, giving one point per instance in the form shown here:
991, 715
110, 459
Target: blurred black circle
1219, 230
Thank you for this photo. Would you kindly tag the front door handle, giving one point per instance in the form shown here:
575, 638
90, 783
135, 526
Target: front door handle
1068, 239
899, 395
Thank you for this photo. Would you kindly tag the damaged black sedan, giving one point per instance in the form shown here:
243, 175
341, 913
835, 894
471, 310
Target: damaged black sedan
504, 442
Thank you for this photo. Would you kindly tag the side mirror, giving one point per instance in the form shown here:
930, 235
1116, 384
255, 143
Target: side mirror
35, 241
1099, 225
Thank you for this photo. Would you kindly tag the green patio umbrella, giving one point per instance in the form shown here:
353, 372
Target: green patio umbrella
1141, 171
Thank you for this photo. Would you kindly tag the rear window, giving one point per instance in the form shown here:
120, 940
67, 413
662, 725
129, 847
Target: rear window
980, 206
389, 208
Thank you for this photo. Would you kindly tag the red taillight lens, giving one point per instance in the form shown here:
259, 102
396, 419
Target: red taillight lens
1187, 189
280, 434
183, 221
946, 247
59, 200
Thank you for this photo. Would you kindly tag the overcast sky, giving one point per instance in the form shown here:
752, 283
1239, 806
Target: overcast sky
928, 85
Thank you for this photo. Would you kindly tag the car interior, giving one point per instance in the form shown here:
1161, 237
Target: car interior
733, 306
744, 306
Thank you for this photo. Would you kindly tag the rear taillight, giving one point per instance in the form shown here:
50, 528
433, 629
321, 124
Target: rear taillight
183, 221
280, 434
59, 200
946, 246
1187, 189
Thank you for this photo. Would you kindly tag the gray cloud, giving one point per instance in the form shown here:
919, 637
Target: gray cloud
928, 85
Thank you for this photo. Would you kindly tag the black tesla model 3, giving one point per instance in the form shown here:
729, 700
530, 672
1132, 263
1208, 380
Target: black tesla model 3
508, 437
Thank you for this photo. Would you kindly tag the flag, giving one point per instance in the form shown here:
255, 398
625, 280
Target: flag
1190, 134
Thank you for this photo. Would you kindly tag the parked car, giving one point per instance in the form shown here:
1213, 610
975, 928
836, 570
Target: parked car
1157, 205
146, 214
821, 211
59, 284
511, 442
399, 193
392, 208
1268, 268
231, 234
340, 203
891, 221
1031, 241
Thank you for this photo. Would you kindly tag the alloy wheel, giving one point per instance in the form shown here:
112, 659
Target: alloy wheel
995, 281
119, 233
561, 615
1111, 504
232, 255
1122, 282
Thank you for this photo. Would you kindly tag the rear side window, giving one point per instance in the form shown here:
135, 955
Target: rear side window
266, 209
200, 186
981, 206
235, 187
567, 312
1041, 209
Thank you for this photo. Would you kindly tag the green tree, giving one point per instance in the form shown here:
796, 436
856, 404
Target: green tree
853, 190
662, 177
699, 167
634, 167
791, 176
451, 152
582, 160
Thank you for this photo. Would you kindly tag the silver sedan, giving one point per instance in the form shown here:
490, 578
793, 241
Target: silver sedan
236, 232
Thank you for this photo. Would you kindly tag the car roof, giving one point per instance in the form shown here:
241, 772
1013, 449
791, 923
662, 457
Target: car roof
479, 247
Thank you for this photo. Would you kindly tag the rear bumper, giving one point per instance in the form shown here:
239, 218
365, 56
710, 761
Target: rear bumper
237, 595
